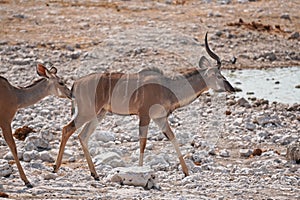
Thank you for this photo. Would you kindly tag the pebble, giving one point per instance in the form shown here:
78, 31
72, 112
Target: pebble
245, 152
250, 126
285, 16
5, 168
243, 102
136, 176
104, 136
31, 155
109, 158
295, 36
46, 157
224, 153
265, 124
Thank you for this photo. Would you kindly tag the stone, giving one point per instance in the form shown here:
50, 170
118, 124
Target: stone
224, 1
2, 142
21, 61
136, 176
44, 112
295, 36
245, 152
156, 161
9, 156
293, 152
47, 135
50, 176
271, 56
238, 121
243, 102
224, 153
285, 16
243, 1
104, 136
199, 156
250, 126
30, 155
109, 158
265, 120
75, 55
5, 168
34, 142
45, 156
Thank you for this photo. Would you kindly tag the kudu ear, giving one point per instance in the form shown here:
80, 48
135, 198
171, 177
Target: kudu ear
204, 63
42, 71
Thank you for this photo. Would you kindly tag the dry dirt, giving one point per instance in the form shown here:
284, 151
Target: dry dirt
250, 31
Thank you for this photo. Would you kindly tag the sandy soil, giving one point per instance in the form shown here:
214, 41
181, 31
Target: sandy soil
253, 32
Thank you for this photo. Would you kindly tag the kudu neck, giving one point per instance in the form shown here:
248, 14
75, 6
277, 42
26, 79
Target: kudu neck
32, 94
188, 86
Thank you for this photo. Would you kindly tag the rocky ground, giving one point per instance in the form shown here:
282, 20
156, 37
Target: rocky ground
235, 149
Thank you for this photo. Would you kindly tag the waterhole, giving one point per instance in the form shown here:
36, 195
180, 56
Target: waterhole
276, 84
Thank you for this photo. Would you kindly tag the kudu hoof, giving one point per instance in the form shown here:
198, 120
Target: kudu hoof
96, 177
28, 185
54, 169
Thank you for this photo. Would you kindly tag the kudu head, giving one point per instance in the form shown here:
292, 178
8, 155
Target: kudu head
212, 74
56, 85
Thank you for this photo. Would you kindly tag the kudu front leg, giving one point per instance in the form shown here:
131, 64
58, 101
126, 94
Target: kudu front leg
163, 124
67, 131
7, 134
143, 132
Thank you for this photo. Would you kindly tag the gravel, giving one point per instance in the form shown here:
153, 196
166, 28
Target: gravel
218, 148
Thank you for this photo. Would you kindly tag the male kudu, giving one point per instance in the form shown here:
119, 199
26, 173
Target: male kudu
148, 94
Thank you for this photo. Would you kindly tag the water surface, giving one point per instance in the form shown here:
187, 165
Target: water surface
275, 84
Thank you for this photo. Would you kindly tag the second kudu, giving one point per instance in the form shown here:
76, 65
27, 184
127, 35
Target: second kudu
148, 94
13, 98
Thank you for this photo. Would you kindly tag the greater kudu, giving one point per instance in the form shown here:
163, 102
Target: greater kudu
148, 94
13, 98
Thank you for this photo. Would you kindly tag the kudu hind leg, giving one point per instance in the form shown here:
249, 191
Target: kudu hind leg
165, 127
143, 132
7, 134
84, 136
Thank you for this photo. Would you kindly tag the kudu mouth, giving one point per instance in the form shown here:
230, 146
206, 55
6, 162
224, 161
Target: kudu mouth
228, 87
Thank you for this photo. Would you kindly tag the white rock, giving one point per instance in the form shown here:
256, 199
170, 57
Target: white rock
9, 156
35, 142
45, 156
5, 168
30, 155
250, 126
200, 156
224, 153
245, 152
238, 121
136, 176
110, 158
104, 136
156, 160
2, 142
47, 135
44, 112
